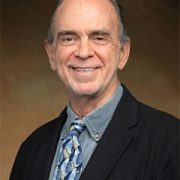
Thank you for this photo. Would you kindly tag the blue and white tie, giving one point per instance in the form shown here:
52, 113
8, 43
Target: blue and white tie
69, 164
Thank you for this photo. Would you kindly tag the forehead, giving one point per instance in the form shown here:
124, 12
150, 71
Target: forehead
82, 13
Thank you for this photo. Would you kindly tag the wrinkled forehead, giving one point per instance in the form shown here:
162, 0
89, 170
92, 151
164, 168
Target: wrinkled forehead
96, 11
83, 3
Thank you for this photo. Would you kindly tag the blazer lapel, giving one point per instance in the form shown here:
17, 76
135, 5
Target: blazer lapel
114, 141
52, 142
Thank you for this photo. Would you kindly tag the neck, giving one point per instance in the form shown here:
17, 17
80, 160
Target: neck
83, 105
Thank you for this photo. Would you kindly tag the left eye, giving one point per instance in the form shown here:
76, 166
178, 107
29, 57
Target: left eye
67, 39
100, 38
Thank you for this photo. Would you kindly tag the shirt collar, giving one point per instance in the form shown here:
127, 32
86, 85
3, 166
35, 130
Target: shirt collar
97, 120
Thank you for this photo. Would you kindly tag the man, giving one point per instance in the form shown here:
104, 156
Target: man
104, 132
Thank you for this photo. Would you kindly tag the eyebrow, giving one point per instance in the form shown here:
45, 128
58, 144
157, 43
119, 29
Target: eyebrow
101, 32
65, 32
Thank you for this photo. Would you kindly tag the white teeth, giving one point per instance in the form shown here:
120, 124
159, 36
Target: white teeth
84, 69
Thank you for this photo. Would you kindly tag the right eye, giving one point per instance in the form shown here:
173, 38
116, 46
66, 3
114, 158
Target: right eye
68, 40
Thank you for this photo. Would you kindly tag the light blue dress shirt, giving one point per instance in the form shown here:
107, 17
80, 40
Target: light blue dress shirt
96, 122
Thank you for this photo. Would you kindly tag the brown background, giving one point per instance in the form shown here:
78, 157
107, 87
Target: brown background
32, 94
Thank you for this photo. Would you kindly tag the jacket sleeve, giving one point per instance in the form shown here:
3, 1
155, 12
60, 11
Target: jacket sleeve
170, 169
17, 169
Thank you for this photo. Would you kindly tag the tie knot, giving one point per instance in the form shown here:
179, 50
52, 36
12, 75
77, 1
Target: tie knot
77, 127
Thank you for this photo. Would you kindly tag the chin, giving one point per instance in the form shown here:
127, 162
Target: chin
85, 91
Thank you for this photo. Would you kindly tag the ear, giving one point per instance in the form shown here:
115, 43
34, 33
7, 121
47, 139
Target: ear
49, 51
124, 54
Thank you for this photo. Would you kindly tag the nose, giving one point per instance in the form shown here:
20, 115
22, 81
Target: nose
84, 50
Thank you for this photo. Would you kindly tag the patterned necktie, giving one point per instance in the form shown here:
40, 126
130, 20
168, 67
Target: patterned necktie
69, 164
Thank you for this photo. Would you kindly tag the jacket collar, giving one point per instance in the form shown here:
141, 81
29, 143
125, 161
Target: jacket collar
115, 139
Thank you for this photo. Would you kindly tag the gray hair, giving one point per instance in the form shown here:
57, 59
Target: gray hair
123, 36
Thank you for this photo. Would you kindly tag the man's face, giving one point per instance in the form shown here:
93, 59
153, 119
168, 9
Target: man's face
86, 52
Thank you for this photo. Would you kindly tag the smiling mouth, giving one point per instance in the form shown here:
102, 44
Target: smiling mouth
84, 69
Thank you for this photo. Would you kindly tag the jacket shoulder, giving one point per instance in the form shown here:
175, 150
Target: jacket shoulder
46, 131
156, 116
158, 125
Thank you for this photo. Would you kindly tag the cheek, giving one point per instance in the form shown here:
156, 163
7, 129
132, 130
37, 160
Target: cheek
63, 55
109, 56
62, 58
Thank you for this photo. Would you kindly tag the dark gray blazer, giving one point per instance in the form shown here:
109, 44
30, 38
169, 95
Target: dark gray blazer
140, 143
